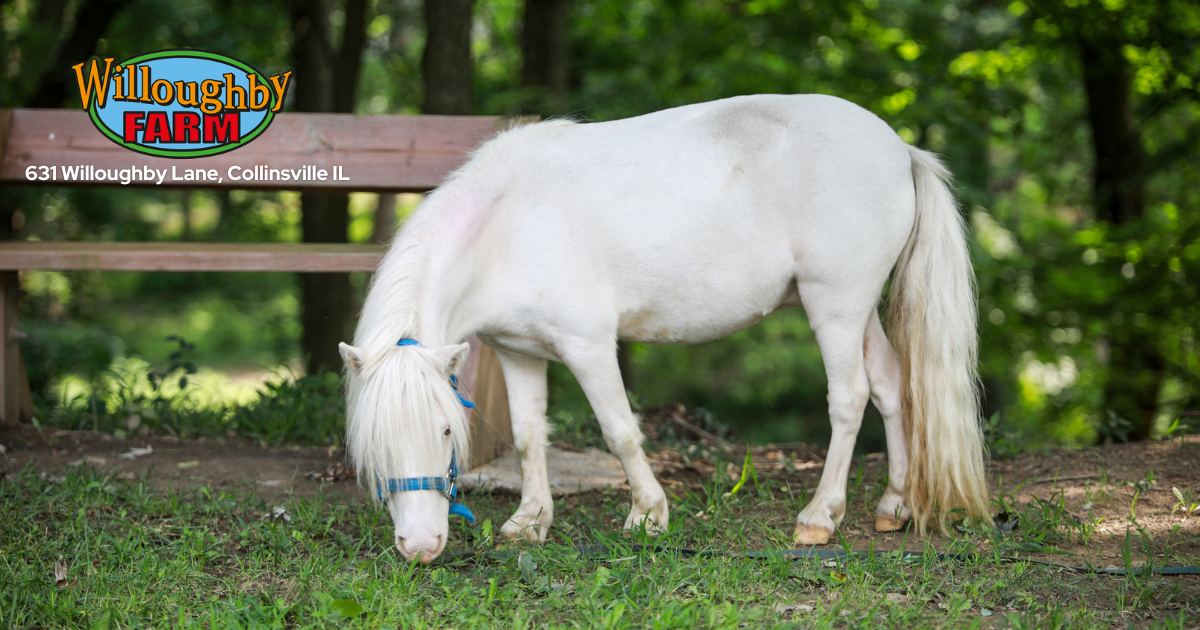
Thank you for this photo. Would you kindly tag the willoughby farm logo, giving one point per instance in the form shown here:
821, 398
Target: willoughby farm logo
180, 103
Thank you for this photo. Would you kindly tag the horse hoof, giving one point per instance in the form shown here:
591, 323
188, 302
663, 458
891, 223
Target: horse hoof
522, 528
889, 524
807, 535
654, 526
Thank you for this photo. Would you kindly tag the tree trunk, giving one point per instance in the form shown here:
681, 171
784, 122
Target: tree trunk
1119, 179
385, 219
91, 21
326, 80
446, 64
545, 48
1136, 367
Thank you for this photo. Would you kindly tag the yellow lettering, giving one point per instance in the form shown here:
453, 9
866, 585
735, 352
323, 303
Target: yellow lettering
118, 84
232, 90
210, 89
256, 89
159, 97
280, 89
93, 82
186, 93
144, 88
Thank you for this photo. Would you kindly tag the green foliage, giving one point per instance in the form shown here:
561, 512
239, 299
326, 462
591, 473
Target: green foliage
995, 87
134, 399
53, 349
308, 410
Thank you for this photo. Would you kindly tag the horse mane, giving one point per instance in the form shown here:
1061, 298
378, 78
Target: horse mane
389, 404
391, 309
388, 407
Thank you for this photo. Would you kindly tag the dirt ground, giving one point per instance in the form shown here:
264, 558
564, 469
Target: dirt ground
1098, 485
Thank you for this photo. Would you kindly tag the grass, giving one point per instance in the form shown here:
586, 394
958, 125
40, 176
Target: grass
135, 556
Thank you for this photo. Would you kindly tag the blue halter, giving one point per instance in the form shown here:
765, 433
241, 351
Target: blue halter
453, 379
446, 485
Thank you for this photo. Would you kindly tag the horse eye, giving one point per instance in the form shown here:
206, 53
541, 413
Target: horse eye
447, 433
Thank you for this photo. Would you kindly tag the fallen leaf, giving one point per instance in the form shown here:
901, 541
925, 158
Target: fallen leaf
60, 573
788, 609
279, 513
985, 612
191, 464
562, 587
528, 567
269, 483
1007, 523
135, 453
126, 476
94, 460
334, 472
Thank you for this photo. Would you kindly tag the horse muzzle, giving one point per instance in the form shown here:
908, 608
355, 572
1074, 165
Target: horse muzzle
424, 549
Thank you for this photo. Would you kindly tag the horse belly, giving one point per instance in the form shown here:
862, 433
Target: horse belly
704, 316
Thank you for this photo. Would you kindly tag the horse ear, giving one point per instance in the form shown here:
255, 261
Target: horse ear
453, 358
353, 357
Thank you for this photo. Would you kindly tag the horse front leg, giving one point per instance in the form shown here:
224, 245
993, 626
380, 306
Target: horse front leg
525, 378
596, 369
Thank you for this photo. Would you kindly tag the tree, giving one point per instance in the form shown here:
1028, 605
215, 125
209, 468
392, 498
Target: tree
1104, 37
326, 79
446, 64
545, 51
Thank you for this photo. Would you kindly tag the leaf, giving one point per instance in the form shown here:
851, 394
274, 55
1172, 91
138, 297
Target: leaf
60, 573
191, 464
789, 609
528, 567
1007, 523
601, 577
747, 472
103, 622
174, 356
346, 608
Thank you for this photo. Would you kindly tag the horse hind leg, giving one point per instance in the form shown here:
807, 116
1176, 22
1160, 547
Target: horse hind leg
840, 336
525, 378
887, 381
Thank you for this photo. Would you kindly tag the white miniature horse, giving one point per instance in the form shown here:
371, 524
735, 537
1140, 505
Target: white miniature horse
683, 226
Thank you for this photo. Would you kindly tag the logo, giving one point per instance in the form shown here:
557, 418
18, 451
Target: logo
180, 103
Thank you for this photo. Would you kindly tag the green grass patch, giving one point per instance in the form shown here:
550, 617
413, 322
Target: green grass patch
132, 556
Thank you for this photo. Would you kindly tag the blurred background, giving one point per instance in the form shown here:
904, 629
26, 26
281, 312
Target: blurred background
1072, 127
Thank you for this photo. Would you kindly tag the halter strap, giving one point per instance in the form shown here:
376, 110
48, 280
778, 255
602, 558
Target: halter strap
446, 485
453, 379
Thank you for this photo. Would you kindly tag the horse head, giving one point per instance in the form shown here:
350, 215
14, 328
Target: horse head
407, 434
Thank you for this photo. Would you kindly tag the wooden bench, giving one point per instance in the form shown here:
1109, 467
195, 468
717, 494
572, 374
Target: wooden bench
377, 153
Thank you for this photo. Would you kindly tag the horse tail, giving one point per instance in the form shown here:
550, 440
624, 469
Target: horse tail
932, 324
